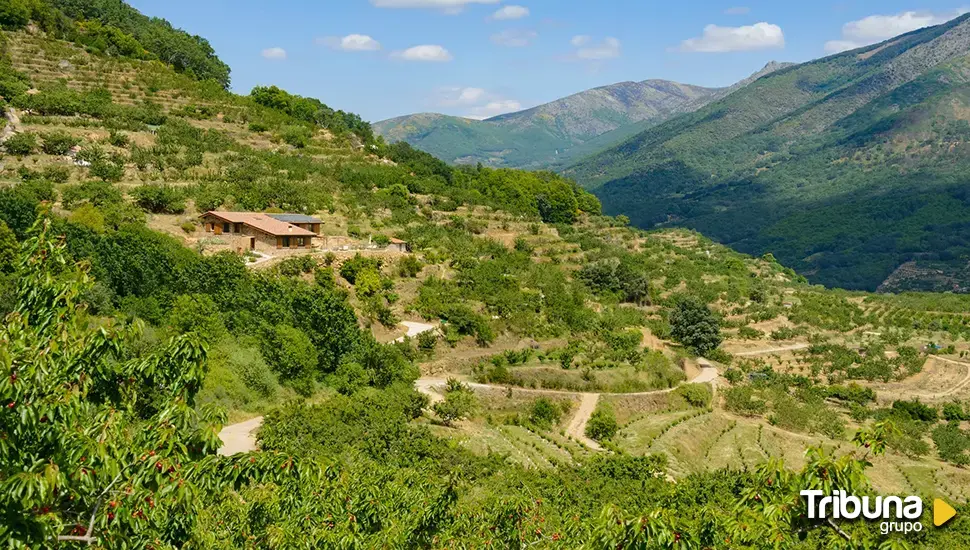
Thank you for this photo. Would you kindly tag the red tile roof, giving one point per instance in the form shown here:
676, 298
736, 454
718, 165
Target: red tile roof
264, 223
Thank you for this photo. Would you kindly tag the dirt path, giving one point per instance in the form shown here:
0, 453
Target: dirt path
769, 351
12, 122
577, 426
956, 387
239, 438
414, 329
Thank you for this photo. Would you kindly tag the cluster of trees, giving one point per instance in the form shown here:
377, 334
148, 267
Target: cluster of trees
113, 27
312, 110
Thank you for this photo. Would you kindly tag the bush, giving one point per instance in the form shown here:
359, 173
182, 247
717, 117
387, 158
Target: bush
21, 144
742, 400
696, 395
107, 170
695, 326
159, 198
98, 193
57, 174
197, 313
58, 143
119, 139
427, 341
544, 414
409, 266
188, 227
602, 425
459, 403
381, 240
291, 354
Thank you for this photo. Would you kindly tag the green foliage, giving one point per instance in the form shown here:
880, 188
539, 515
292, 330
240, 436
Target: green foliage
95, 454
14, 14
695, 325
602, 425
308, 109
159, 198
97, 193
8, 248
292, 356
696, 395
58, 143
199, 314
459, 403
21, 144
544, 413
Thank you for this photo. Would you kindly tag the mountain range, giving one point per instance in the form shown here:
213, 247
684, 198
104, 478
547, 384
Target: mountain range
551, 134
845, 168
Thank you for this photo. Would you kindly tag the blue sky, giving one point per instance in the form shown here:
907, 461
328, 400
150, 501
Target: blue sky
384, 58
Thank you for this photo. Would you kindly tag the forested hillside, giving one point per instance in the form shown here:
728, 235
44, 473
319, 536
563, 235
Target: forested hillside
549, 135
844, 168
575, 382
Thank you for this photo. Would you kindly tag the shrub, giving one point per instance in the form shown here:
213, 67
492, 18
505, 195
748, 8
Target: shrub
750, 333
188, 227
107, 170
459, 403
696, 395
98, 193
57, 174
544, 413
427, 341
602, 425
291, 354
742, 400
257, 127
58, 143
197, 313
695, 326
21, 144
409, 266
119, 139
159, 198
381, 240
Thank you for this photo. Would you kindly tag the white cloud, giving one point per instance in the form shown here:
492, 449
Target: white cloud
274, 53
472, 102
876, 28
494, 108
737, 10
507, 13
454, 96
351, 43
448, 6
426, 52
588, 50
760, 36
514, 38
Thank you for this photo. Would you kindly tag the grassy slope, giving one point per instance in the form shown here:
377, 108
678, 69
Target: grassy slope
826, 164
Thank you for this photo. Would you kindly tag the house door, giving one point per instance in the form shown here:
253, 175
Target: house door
252, 243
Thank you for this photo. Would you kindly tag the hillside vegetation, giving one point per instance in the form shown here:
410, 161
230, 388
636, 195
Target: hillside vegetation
573, 368
844, 168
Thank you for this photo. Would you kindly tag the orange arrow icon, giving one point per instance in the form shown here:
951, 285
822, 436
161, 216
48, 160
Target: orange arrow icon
942, 512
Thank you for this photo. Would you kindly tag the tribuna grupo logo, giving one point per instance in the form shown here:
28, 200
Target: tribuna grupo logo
896, 514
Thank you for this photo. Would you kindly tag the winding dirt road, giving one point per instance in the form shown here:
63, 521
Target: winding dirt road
769, 351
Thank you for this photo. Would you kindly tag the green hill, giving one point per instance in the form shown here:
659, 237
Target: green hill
844, 168
550, 134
